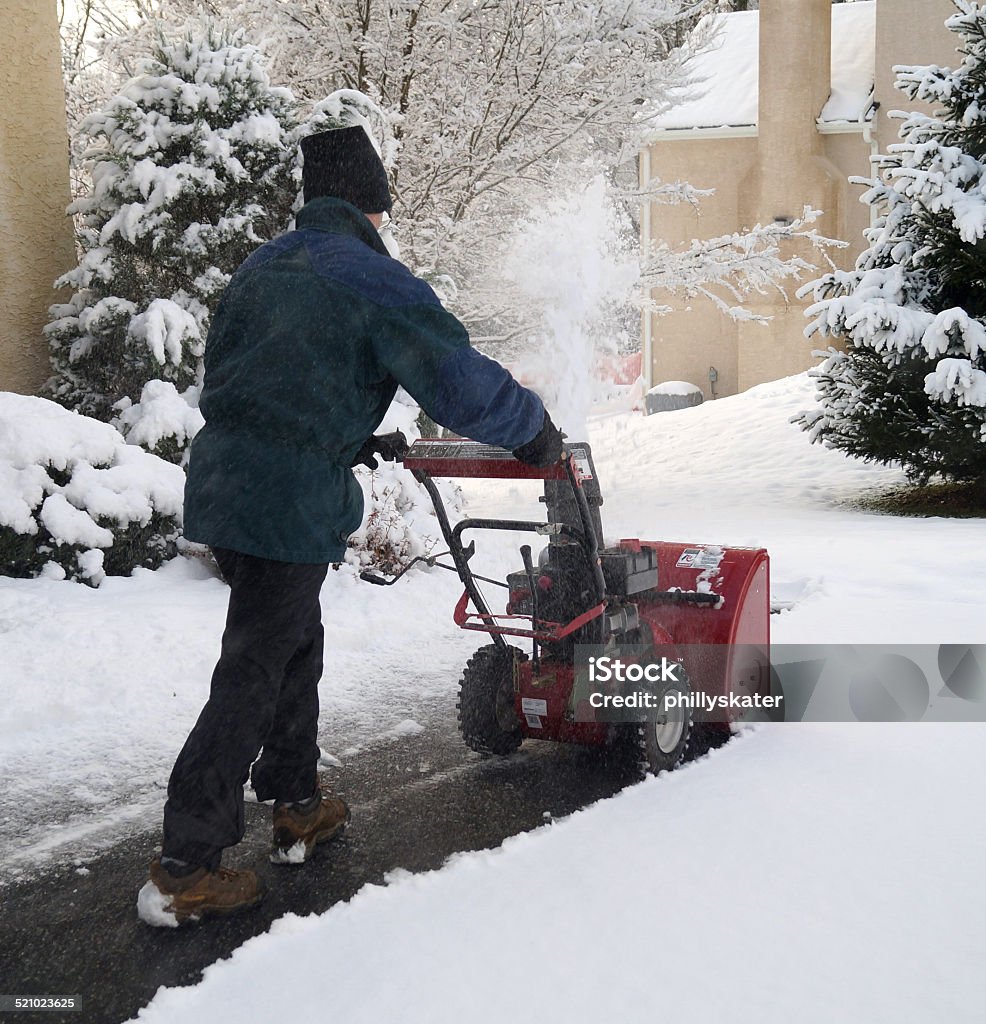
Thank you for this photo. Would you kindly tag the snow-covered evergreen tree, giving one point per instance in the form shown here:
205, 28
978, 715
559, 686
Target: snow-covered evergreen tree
910, 387
191, 168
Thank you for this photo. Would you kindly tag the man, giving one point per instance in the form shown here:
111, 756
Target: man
311, 339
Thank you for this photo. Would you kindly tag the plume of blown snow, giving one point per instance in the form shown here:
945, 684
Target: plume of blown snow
577, 260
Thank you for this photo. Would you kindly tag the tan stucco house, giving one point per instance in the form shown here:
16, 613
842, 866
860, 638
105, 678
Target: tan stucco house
36, 244
794, 99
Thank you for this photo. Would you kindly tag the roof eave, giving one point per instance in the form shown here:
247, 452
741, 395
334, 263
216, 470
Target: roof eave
729, 131
842, 127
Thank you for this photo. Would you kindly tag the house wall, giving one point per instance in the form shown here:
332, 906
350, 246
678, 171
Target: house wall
777, 348
908, 32
695, 336
786, 165
36, 243
851, 155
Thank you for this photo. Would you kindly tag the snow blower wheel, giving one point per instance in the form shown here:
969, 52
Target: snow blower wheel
487, 718
664, 739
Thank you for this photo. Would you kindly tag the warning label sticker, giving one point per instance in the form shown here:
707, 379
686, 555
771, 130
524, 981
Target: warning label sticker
534, 706
533, 722
581, 460
700, 558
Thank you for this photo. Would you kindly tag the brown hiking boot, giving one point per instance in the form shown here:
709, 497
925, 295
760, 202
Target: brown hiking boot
298, 828
167, 900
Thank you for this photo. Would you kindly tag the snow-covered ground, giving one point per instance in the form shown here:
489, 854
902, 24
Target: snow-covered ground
804, 874
100, 688
801, 873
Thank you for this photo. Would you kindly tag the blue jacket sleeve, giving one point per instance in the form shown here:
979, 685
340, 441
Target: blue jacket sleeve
427, 351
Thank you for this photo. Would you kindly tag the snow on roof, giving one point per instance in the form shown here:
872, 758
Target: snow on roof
727, 73
853, 61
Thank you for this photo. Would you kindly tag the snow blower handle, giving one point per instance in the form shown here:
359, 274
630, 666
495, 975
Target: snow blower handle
390, 447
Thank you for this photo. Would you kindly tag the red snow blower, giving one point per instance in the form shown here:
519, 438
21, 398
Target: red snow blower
700, 608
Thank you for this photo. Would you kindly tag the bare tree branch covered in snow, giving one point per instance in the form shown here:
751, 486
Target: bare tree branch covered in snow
489, 112
495, 106
742, 264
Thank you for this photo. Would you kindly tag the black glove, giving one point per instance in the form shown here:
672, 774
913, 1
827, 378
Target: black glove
544, 448
390, 447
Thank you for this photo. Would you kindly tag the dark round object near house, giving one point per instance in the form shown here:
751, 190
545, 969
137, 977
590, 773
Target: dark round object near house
671, 396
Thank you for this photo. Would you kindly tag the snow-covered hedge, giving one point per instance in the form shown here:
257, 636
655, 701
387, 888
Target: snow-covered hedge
76, 501
164, 421
398, 523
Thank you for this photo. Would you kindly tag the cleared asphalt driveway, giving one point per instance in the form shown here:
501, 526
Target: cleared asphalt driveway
415, 800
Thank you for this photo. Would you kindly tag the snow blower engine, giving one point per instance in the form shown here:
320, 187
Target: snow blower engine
702, 609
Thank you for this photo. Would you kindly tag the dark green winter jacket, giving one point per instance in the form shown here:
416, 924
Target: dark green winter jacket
311, 338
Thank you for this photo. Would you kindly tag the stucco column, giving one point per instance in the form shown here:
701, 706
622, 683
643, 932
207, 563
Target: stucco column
795, 82
36, 242
793, 171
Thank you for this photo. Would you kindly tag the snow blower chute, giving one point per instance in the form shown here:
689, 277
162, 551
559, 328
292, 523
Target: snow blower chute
703, 608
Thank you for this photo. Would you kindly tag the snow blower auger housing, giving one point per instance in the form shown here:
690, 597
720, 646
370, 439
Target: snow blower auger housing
690, 603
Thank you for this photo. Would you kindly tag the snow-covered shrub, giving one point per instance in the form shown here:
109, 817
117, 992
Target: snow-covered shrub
191, 170
911, 385
386, 539
76, 500
164, 421
398, 522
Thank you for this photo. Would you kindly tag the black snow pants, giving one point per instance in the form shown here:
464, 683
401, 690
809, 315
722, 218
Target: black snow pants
264, 694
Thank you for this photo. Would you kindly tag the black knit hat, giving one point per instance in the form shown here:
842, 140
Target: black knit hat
344, 164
